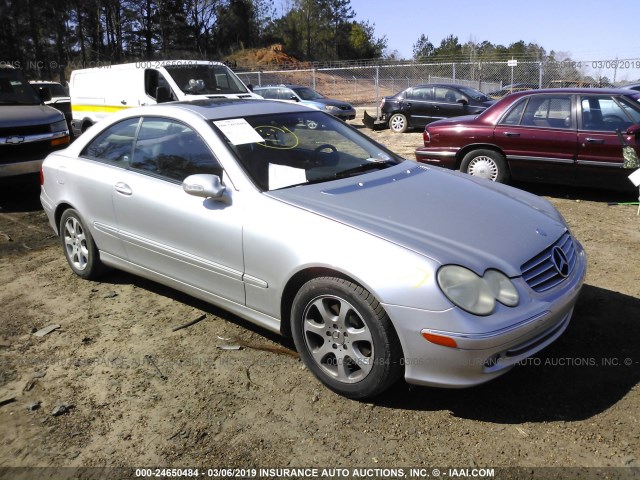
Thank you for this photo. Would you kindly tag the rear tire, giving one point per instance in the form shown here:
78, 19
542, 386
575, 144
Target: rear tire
398, 123
78, 246
345, 337
487, 164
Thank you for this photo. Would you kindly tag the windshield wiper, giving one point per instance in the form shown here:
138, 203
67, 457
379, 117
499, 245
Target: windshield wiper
363, 167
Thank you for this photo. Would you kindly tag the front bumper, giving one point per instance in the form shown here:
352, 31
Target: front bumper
26, 156
482, 356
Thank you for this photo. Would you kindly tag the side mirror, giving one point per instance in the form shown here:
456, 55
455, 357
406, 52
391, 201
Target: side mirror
163, 95
206, 186
294, 98
462, 101
250, 87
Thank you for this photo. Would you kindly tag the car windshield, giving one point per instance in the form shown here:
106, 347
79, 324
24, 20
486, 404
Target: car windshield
292, 149
15, 90
200, 79
308, 93
475, 94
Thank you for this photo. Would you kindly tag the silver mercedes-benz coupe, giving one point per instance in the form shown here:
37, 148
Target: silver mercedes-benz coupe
378, 267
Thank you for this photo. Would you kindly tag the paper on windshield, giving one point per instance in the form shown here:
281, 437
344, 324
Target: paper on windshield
238, 131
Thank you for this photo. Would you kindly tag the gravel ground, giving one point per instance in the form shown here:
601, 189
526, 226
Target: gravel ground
138, 394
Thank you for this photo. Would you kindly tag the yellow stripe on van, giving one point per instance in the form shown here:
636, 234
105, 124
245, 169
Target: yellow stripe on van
97, 108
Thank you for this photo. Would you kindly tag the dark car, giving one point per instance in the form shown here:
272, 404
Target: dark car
417, 106
307, 96
567, 136
59, 97
511, 88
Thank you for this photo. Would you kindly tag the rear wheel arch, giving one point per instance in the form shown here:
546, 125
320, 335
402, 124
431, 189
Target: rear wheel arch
480, 146
60, 209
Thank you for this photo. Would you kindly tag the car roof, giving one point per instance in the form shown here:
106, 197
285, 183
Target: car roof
288, 85
607, 91
454, 85
220, 108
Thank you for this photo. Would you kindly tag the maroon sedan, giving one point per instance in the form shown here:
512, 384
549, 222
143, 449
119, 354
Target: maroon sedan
567, 136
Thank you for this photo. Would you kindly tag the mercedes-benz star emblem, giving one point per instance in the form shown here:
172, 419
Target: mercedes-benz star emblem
560, 261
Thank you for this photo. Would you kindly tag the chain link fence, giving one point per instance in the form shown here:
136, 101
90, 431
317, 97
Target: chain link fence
364, 84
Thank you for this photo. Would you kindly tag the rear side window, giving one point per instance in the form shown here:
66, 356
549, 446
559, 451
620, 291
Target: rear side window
421, 93
546, 111
115, 144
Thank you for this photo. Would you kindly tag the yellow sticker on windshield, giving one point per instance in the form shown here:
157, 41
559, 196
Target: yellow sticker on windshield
280, 138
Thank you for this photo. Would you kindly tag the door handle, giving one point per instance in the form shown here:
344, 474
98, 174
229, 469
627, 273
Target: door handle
594, 140
123, 102
511, 134
409, 104
123, 188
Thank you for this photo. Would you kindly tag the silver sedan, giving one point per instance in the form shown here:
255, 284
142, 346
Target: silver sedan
378, 267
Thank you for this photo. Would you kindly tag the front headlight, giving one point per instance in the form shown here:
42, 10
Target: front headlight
59, 126
475, 294
331, 107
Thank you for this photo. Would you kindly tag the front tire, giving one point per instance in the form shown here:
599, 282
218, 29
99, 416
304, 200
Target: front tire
486, 164
398, 123
345, 338
78, 246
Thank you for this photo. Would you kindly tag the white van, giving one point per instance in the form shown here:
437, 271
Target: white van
98, 92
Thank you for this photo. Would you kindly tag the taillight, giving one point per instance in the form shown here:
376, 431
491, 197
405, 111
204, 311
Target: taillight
426, 137
381, 103
41, 177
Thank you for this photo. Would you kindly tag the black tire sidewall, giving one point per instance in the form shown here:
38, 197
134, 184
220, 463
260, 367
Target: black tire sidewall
387, 351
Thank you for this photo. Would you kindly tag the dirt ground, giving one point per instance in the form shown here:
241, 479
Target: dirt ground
223, 393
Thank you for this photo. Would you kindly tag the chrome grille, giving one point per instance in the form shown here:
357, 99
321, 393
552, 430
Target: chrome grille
541, 272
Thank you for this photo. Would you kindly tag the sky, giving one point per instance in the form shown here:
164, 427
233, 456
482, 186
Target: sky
587, 30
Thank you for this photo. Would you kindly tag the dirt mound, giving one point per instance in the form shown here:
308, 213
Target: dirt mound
271, 55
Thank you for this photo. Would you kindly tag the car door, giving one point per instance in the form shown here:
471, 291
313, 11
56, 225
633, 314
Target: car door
418, 106
539, 137
599, 147
104, 161
189, 239
449, 102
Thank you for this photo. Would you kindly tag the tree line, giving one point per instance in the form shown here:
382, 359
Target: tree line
49, 38
43, 37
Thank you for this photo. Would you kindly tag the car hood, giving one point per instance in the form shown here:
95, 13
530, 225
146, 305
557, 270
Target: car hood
449, 217
27, 115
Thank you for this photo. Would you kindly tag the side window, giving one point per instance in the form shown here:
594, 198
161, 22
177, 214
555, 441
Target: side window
172, 150
515, 114
603, 113
549, 111
154, 79
286, 94
444, 94
115, 144
269, 93
421, 93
